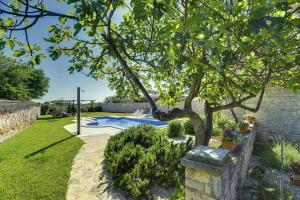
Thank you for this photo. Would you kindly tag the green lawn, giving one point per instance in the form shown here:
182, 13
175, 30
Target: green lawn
36, 163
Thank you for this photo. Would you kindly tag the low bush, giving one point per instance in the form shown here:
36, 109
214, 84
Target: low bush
141, 157
175, 128
188, 127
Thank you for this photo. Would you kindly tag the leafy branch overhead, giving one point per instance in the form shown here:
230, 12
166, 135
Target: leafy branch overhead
223, 52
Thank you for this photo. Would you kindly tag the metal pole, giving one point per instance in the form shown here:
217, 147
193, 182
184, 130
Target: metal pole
78, 110
281, 169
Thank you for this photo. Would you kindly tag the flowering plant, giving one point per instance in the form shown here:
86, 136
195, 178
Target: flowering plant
230, 136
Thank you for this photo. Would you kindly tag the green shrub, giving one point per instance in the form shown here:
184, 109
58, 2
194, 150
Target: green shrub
224, 122
188, 127
45, 108
141, 157
174, 128
216, 130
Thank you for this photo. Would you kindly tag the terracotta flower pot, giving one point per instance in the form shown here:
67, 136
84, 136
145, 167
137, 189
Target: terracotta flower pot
244, 128
228, 145
249, 118
295, 179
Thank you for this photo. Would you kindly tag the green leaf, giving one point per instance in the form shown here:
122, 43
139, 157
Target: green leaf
171, 54
77, 28
10, 44
62, 20
200, 36
19, 52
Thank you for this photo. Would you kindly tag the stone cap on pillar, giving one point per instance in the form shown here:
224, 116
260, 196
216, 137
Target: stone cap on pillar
203, 155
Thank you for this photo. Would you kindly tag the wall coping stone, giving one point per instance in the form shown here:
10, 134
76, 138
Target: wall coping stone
208, 155
201, 165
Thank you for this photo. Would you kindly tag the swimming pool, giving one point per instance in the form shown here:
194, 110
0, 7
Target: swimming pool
123, 122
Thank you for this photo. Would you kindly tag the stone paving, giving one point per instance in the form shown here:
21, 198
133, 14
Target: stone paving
84, 182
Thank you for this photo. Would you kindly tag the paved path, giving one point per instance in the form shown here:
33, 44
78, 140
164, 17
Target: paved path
84, 182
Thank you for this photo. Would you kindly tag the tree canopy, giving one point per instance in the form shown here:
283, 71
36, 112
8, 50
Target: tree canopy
21, 82
222, 51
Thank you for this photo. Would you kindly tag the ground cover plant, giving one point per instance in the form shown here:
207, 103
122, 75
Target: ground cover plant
270, 154
141, 157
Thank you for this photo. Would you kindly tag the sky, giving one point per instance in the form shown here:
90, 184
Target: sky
62, 84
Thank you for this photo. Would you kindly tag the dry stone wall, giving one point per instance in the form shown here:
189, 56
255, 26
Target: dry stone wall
279, 114
15, 116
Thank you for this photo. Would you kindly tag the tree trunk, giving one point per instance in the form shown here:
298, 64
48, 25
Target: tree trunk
208, 122
199, 129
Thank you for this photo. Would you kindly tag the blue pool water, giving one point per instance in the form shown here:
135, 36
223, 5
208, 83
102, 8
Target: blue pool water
123, 122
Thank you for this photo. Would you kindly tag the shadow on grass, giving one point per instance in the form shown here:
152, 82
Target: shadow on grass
47, 147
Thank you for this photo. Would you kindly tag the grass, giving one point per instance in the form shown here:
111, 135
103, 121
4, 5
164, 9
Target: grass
36, 163
270, 154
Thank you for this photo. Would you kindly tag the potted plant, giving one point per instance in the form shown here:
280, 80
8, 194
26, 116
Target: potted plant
244, 127
295, 176
230, 140
249, 118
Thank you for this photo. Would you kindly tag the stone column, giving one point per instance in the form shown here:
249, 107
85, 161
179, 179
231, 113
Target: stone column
204, 173
217, 174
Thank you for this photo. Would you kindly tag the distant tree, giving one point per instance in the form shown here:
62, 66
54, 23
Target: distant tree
69, 110
118, 99
19, 81
73, 110
92, 107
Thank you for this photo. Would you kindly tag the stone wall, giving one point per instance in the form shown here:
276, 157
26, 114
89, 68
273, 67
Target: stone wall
217, 174
279, 114
14, 116
197, 106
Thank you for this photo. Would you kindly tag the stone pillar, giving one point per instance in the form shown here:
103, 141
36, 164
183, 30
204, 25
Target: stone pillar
204, 173
217, 174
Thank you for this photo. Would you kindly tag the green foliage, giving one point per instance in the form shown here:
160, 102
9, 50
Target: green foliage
271, 154
153, 43
267, 191
92, 107
179, 194
21, 82
57, 110
117, 99
217, 131
141, 157
45, 107
224, 122
174, 128
188, 127
98, 108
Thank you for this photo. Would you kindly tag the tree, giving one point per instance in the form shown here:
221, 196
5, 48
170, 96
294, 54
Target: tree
21, 82
223, 52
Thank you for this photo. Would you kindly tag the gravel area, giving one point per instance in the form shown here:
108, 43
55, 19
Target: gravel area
272, 176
